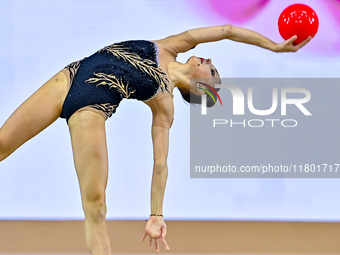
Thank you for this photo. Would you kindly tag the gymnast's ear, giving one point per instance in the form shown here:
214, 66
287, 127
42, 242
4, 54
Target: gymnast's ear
199, 88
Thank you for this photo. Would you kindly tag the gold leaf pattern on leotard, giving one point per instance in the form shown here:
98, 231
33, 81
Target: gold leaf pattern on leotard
107, 108
112, 81
146, 65
73, 68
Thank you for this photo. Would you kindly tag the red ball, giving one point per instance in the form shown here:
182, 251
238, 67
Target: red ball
300, 20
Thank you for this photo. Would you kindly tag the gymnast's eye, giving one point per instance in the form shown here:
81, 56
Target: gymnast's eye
212, 72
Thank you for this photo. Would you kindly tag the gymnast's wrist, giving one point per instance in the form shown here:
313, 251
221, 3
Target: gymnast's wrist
156, 215
275, 47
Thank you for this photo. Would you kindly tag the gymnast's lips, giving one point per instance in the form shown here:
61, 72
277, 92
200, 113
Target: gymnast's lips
202, 60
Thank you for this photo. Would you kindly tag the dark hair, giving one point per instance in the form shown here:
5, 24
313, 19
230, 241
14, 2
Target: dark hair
196, 99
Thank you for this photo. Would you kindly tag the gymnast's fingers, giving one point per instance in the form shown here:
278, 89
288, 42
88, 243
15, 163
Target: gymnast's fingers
166, 245
143, 238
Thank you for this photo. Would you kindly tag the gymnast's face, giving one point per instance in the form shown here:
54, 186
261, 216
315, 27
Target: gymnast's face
203, 69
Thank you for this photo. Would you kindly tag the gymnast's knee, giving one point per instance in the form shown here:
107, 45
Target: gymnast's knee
95, 207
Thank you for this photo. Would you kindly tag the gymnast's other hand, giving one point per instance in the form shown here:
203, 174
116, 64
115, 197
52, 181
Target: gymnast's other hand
156, 229
288, 45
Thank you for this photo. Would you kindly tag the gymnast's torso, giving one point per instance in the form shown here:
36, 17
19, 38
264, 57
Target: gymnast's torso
136, 69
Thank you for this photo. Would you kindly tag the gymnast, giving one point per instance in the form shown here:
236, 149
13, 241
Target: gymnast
87, 92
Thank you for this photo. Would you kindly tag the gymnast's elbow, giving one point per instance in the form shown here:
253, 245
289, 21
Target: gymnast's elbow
227, 31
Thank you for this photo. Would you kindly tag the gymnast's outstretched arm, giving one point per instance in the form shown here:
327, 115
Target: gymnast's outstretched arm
187, 40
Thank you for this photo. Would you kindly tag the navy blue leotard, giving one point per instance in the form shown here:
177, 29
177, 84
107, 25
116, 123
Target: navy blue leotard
101, 81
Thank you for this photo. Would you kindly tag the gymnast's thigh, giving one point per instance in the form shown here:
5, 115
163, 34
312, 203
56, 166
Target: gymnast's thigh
88, 136
35, 114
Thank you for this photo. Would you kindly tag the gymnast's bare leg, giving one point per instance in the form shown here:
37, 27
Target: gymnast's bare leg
89, 145
88, 136
35, 114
